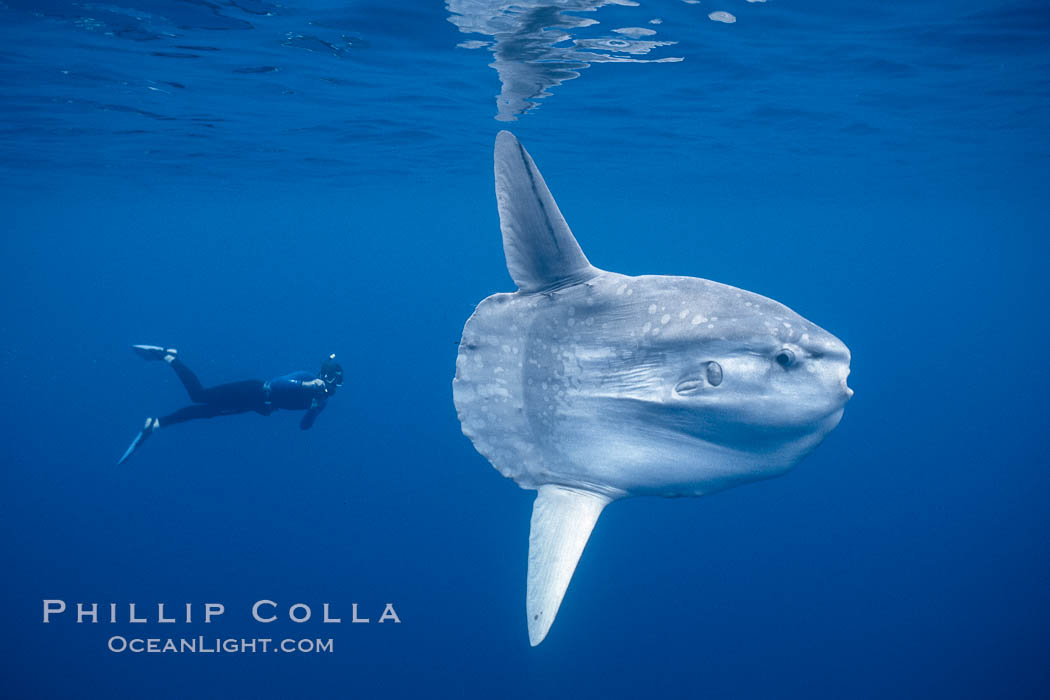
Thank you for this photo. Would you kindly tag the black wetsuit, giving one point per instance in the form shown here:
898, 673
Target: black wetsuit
287, 392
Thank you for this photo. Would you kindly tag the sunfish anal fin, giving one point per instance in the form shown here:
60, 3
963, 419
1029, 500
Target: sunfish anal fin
562, 520
542, 254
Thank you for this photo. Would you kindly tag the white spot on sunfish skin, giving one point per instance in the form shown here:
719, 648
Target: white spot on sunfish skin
720, 16
698, 319
647, 327
652, 308
665, 318
683, 314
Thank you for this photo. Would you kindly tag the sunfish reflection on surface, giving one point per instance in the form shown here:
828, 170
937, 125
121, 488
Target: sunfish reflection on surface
591, 386
533, 47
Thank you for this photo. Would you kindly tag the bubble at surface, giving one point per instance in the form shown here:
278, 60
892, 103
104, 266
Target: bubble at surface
720, 16
635, 31
535, 45
621, 48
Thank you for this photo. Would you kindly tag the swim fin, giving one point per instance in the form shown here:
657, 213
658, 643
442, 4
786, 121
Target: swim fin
147, 430
153, 352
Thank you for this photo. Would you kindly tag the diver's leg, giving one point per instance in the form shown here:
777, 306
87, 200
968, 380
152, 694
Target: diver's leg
221, 400
189, 380
184, 373
191, 413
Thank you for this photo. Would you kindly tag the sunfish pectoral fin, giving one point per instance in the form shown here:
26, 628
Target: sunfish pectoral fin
540, 249
562, 520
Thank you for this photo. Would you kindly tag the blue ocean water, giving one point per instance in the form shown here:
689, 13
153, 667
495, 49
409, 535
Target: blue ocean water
260, 184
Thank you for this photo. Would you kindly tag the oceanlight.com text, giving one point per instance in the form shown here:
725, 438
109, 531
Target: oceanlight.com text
217, 645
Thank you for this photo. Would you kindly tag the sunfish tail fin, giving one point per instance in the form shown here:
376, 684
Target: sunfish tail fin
540, 249
562, 520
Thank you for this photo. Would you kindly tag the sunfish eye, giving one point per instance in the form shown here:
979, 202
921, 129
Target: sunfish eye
714, 373
785, 358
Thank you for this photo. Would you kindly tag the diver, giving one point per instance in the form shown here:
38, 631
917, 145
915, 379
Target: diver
294, 392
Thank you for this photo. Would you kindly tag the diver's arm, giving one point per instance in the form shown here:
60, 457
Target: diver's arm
316, 406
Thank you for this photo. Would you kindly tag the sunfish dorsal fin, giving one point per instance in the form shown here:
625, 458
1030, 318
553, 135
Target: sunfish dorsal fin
562, 520
541, 251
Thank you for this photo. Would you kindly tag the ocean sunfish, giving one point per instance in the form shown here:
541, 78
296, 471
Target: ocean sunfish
590, 386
